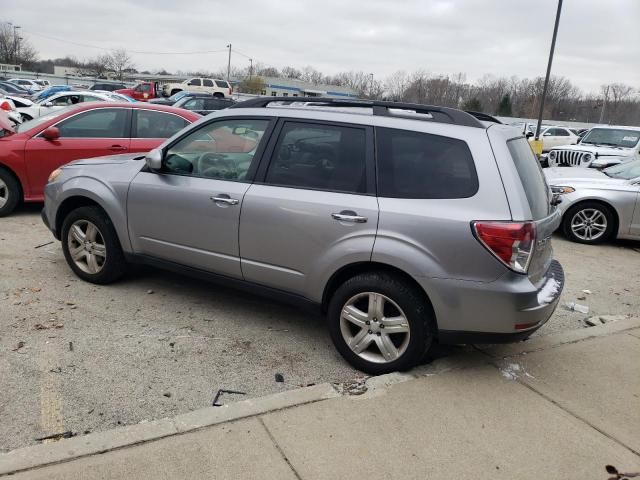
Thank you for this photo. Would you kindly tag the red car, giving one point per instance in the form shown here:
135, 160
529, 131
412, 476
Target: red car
31, 151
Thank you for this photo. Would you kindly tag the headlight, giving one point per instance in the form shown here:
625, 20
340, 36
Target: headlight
587, 157
562, 190
552, 155
53, 175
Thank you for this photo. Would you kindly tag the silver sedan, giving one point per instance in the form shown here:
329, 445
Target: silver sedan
598, 205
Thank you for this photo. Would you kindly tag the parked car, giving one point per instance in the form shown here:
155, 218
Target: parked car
175, 97
19, 103
108, 87
43, 83
61, 100
142, 92
9, 109
599, 148
448, 241
30, 152
14, 89
214, 86
30, 85
598, 205
557, 136
118, 97
203, 104
47, 92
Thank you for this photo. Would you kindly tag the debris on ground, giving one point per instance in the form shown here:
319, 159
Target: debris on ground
576, 307
36, 289
39, 326
513, 371
357, 386
220, 392
150, 292
592, 321
71, 346
611, 470
602, 319
19, 346
279, 378
586, 292
57, 436
43, 244
167, 394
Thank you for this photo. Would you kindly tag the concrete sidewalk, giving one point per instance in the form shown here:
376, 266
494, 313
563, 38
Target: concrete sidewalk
561, 406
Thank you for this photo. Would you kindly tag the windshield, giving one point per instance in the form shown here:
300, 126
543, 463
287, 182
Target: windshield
612, 137
177, 96
627, 170
23, 127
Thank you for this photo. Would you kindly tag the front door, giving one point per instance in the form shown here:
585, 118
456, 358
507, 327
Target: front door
314, 208
94, 133
188, 213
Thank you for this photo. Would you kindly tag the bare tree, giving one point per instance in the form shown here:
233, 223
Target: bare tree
119, 62
14, 49
96, 67
291, 72
395, 86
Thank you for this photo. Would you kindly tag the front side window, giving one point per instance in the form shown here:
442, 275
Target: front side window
102, 123
64, 100
421, 165
207, 83
195, 82
323, 157
222, 150
194, 104
152, 124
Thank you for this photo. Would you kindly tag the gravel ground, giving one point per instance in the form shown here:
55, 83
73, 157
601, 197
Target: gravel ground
81, 358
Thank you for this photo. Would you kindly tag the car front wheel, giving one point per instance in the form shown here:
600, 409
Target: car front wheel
9, 193
91, 246
589, 223
380, 323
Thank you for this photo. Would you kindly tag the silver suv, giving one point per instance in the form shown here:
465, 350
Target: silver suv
406, 224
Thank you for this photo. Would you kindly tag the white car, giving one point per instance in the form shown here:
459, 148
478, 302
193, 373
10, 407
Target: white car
31, 85
600, 147
20, 102
61, 100
558, 136
215, 86
9, 108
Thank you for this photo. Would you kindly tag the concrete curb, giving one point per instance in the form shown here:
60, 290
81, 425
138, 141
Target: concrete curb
37, 456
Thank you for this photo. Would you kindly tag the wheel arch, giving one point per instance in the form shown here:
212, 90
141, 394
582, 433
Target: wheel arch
17, 178
357, 268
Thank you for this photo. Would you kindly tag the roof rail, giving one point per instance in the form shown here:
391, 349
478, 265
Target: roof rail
485, 117
381, 108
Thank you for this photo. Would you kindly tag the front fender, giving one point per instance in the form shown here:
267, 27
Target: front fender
112, 201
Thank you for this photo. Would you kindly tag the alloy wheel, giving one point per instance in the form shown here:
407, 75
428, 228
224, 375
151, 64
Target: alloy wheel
589, 224
4, 193
86, 246
374, 327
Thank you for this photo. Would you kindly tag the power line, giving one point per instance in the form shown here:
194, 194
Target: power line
131, 51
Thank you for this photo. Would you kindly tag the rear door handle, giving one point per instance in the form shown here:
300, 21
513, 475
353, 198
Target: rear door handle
117, 148
349, 216
224, 198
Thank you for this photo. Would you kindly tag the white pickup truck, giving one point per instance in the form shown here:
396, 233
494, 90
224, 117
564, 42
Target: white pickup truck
216, 87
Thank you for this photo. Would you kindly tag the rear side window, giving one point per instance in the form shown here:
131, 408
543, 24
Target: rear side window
322, 157
207, 83
152, 124
531, 176
421, 165
222, 84
101, 123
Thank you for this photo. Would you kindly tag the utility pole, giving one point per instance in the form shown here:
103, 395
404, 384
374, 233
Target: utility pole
371, 86
604, 104
250, 68
229, 64
546, 80
16, 45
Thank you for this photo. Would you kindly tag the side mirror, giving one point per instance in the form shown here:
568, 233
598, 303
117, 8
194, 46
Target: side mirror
47, 104
51, 133
529, 134
154, 159
547, 134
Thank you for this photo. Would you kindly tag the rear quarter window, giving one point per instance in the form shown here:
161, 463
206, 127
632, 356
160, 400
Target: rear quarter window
222, 84
421, 165
531, 176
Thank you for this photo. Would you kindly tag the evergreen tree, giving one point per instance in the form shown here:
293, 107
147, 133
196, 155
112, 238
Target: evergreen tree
504, 109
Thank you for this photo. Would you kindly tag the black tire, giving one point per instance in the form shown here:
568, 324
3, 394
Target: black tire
407, 297
218, 95
25, 117
9, 191
114, 265
587, 207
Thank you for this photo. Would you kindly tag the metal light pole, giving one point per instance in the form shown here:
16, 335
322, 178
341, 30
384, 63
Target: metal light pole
229, 64
546, 80
250, 68
371, 86
604, 104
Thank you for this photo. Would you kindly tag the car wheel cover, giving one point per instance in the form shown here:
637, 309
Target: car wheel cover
87, 247
589, 224
4, 193
374, 327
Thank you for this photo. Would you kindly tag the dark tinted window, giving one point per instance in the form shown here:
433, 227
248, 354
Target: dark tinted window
102, 123
217, 104
207, 83
222, 84
195, 82
531, 176
420, 165
194, 104
321, 157
151, 124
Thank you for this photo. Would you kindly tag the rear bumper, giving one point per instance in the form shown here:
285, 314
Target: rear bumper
507, 310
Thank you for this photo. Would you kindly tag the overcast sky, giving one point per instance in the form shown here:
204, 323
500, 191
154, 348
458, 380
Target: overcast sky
598, 40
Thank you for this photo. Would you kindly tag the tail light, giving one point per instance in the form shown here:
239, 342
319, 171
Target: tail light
510, 242
230, 90
6, 106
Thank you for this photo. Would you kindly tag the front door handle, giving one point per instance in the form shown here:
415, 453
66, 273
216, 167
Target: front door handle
349, 216
224, 198
117, 148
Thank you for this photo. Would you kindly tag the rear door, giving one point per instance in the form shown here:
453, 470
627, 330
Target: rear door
151, 127
312, 208
93, 133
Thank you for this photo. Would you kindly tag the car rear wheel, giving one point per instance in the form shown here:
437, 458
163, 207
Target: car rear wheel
589, 223
91, 246
218, 95
380, 323
9, 193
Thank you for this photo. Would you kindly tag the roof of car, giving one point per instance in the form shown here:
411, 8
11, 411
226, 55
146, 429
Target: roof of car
615, 127
188, 114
